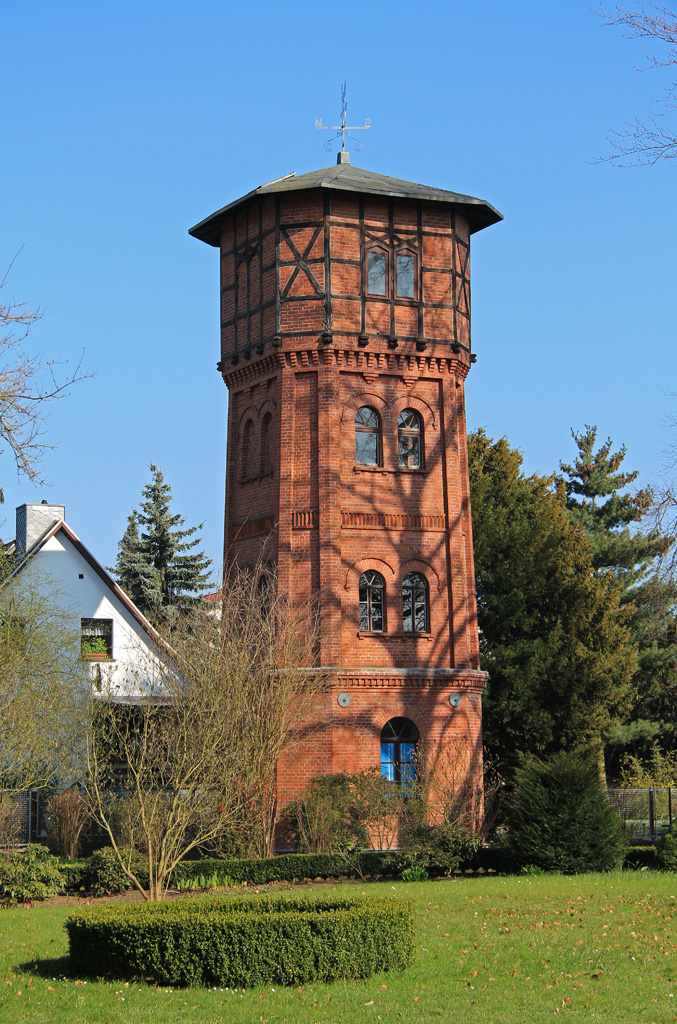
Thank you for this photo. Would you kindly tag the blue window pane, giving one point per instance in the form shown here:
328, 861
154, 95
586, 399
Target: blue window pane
387, 753
407, 776
388, 772
407, 753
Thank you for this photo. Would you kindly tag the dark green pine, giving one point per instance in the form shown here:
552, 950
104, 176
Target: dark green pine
158, 564
597, 498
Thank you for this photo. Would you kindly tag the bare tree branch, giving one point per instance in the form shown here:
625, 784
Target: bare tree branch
646, 141
28, 383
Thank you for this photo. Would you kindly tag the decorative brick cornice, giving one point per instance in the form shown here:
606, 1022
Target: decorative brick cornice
356, 520
412, 679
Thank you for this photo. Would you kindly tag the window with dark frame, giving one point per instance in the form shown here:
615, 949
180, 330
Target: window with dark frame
266, 462
367, 436
415, 610
96, 639
410, 439
392, 274
405, 274
372, 602
399, 737
246, 452
377, 272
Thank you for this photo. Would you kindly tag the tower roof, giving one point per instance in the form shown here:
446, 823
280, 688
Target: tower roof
345, 178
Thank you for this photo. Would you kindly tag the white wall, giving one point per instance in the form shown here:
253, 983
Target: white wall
135, 667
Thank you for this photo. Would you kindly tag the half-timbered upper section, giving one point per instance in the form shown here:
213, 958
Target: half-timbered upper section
345, 256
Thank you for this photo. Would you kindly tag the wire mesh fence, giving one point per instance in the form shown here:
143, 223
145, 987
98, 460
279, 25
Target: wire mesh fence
647, 813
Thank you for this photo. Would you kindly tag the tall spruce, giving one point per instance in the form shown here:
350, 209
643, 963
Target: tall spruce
552, 636
598, 499
157, 564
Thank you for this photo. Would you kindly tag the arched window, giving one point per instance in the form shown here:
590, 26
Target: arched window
405, 274
247, 449
410, 439
372, 602
415, 612
265, 588
377, 271
399, 737
266, 461
367, 436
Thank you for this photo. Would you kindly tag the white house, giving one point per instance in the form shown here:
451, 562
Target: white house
116, 638
119, 647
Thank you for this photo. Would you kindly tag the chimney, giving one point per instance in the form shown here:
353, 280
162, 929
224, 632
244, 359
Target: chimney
33, 522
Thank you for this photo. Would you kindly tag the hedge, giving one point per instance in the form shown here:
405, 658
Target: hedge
244, 941
292, 867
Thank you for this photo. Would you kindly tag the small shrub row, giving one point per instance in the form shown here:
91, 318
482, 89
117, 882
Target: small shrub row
244, 941
292, 867
31, 875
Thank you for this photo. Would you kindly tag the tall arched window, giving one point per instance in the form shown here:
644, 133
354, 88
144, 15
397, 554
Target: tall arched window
377, 271
415, 611
266, 461
247, 449
405, 274
410, 439
265, 588
372, 602
367, 436
399, 737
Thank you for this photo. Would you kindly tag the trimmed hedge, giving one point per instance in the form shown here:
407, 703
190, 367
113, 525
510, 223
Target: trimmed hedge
244, 941
293, 867
639, 857
290, 867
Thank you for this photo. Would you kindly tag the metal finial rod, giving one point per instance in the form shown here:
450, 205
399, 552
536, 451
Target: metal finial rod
343, 129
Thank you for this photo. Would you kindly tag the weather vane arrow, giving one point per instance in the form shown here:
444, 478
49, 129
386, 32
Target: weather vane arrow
342, 130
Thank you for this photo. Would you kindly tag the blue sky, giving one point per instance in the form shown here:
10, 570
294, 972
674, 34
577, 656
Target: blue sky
124, 124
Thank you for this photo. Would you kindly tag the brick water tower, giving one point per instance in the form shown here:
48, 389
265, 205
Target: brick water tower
345, 345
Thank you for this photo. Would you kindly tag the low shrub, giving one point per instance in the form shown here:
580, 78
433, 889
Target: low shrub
638, 858
445, 846
31, 875
76, 875
666, 852
417, 873
105, 875
559, 818
244, 941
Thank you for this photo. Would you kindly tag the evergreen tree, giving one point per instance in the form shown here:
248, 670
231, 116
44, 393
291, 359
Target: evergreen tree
158, 567
595, 488
553, 638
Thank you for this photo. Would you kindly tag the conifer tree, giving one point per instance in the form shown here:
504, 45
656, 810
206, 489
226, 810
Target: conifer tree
552, 636
597, 499
157, 564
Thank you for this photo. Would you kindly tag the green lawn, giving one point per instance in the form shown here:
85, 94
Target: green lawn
602, 947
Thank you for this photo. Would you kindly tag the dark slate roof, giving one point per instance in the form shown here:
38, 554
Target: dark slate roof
345, 178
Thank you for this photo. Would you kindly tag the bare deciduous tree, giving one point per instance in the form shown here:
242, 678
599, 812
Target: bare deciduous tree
42, 692
195, 754
28, 382
648, 140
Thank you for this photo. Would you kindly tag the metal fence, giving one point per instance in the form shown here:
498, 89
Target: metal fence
647, 813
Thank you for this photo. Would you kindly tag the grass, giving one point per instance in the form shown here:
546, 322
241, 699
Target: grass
600, 947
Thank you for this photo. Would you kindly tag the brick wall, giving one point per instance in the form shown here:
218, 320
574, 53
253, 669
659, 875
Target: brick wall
304, 345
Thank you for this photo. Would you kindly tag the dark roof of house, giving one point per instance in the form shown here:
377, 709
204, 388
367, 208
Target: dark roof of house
346, 178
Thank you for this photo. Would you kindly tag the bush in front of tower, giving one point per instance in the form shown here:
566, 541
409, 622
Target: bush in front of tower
559, 818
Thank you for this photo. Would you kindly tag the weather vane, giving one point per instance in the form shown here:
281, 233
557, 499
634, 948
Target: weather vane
343, 129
